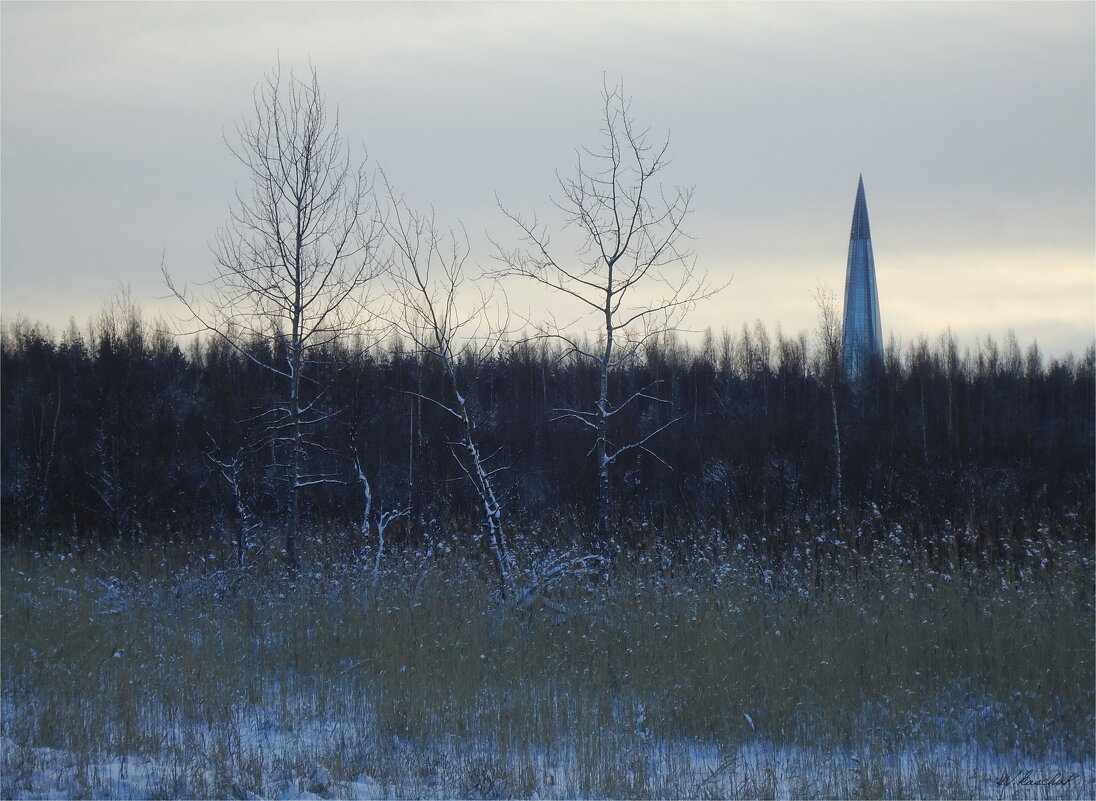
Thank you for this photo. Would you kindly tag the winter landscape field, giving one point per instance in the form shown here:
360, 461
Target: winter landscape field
707, 673
501, 460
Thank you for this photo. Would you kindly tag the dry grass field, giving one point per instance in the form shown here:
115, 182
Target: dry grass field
836, 671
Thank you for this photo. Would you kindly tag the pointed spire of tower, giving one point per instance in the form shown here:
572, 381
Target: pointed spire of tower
860, 227
863, 334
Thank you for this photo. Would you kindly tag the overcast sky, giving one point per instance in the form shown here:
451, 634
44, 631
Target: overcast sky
973, 125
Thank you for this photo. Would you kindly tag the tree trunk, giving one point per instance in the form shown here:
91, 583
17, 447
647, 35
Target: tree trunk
603, 417
836, 451
293, 516
481, 478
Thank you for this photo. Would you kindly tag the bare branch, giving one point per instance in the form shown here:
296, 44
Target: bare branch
641, 443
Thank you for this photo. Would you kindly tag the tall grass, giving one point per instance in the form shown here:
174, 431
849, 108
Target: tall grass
710, 672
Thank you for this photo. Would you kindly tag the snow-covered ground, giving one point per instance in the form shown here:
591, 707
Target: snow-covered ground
289, 765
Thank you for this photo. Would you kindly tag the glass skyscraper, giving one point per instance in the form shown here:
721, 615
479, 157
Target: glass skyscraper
862, 337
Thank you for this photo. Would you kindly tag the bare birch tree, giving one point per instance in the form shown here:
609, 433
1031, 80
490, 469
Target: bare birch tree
633, 274
428, 270
231, 470
375, 517
298, 250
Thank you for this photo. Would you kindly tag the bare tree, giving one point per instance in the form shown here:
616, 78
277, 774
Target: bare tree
374, 516
428, 269
291, 263
231, 470
632, 276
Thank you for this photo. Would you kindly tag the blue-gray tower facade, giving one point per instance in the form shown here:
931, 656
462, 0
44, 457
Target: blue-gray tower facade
862, 337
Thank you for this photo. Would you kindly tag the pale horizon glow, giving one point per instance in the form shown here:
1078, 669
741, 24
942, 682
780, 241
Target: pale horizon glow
972, 124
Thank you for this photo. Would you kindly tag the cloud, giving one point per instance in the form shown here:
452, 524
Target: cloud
972, 123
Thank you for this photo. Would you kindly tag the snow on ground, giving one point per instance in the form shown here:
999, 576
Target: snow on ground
284, 766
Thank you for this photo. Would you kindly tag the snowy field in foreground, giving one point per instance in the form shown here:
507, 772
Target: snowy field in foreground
843, 675
286, 765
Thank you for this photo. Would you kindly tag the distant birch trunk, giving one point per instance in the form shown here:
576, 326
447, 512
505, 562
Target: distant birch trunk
231, 470
829, 343
371, 522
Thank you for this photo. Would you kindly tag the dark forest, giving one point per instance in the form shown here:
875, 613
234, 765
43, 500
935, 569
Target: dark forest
121, 436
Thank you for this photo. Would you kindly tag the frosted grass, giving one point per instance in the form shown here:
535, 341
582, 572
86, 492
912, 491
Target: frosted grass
838, 670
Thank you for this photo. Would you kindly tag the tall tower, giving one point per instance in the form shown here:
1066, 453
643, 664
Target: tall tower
863, 335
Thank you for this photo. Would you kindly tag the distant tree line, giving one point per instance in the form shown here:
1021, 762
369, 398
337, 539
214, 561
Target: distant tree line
122, 435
